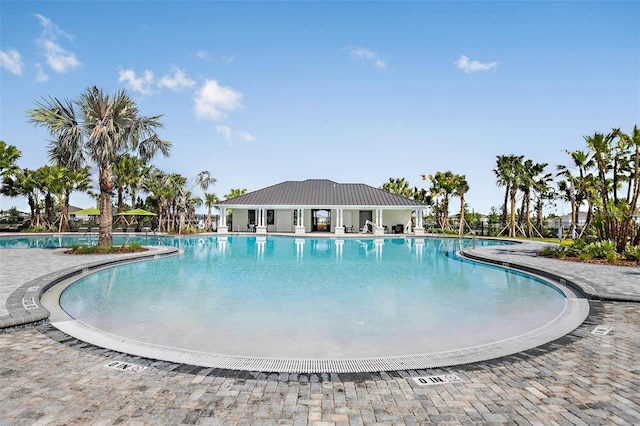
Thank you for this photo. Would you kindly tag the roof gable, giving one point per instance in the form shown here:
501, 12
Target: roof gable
320, 192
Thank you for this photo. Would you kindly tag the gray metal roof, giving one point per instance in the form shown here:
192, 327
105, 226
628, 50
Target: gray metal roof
320, 192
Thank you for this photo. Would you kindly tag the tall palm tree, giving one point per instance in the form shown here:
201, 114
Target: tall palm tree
584, 182
201, 180
509, 174
210, 200
98, 128
529, 173
461, 188
48, 178
154, 185
443, 185
544, 193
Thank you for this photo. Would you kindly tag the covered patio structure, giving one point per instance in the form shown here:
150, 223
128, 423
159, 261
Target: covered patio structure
321, 205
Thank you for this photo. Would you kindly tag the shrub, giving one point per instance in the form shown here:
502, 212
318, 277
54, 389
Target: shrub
632, 252
85, 249
605, 249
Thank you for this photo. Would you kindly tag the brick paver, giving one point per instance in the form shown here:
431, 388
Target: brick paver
47, 378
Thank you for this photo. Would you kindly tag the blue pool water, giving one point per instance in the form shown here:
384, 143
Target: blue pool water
313, 298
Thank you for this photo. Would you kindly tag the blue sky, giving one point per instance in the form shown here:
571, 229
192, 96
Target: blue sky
262, 92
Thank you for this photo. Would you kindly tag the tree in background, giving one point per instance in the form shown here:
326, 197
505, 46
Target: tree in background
617, 159
210, 200
101, 129
9, 154
461, 188
201, 180
398, 186
129, 172
23, 182
235, 192
443, 186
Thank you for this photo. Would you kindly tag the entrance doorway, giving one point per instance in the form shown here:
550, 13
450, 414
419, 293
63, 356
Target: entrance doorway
321, 220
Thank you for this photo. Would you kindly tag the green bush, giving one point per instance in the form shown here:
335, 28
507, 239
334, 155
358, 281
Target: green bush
124, 248
632, 252
605, 249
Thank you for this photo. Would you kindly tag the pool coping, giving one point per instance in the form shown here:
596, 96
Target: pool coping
24, 304
576, 311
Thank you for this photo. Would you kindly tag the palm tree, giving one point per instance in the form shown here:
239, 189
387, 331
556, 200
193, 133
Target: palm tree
235, 192
210, 200
503, 179
530, 172
129, 171
9, 154
544, 193
461, 188
73, 181
24, 183
49, 178
398, 186
509, 174
102, 128
443, 185
584, 182
154, 185
201, 180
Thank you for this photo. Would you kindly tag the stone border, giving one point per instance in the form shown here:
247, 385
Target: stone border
583, 286
577, 309
24, 305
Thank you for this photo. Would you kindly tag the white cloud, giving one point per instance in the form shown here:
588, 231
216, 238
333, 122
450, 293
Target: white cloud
179, 81
58, 58
472, 66
41, 76
367, 55
140, 84
203, 55
229, 59
245, 136
225, 130
12, 61
231, 135
214, 101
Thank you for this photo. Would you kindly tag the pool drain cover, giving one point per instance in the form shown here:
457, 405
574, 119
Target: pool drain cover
437, 380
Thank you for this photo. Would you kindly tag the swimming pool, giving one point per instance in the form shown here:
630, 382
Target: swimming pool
254, 297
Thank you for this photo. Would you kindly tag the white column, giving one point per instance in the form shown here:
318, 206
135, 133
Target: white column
261, 229
300, 222
379, 229
419, 229
339, 229
222, 226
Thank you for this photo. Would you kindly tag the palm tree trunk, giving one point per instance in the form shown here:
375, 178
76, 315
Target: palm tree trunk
105, 236
512, 223
461, 228
504, 206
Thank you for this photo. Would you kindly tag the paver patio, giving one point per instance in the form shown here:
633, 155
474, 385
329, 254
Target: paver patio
50, 378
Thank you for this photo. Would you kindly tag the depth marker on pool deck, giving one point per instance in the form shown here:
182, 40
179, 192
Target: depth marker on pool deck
126, 366
437, 380
601, 330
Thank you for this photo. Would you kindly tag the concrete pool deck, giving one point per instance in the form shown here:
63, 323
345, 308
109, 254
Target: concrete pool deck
580, 379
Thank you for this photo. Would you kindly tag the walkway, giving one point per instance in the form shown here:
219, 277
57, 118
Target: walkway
584, 378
